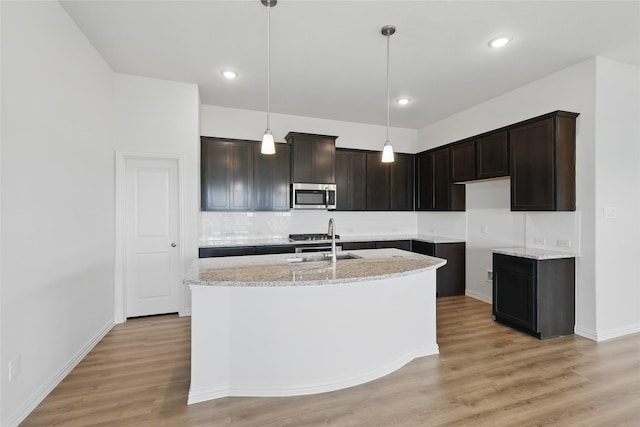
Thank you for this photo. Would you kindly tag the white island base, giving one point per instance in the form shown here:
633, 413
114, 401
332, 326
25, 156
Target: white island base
289, 340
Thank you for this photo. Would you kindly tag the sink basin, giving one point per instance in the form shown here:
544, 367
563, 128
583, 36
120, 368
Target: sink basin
321, 256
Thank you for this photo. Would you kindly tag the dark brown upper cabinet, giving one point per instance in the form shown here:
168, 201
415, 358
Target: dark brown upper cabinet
543, 163
235, 176
312, 158
271, 186
463, 161
402, 181
434, 188
389, 185
378, 182
351, 180
492, 156
226, 174
483, 158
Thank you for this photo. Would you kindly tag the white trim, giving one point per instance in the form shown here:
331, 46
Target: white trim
223, 390
478, 296
120, 283
51, 383
586, 333
618, 332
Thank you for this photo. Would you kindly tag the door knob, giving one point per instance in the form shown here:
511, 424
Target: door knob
173, 244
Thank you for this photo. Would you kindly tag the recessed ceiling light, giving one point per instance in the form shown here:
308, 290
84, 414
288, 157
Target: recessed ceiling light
403, 101
500, 41
230, 74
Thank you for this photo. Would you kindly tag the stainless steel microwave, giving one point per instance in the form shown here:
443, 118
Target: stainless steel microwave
313, 196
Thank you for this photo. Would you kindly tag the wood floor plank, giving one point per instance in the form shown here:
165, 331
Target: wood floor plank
485, 375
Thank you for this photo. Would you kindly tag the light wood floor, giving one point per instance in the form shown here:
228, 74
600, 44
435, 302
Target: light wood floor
486, 375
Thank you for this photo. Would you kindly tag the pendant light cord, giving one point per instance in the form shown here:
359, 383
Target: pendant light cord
268, 63
388, 87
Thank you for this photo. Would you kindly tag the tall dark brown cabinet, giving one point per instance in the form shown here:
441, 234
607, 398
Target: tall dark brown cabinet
226, 174
390, 185
434, 189
312, 158
543, 163
271, 187
351, 180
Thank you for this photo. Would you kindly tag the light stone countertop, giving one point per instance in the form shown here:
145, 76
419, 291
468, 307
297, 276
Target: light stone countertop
237, 240
539, 254
275, 270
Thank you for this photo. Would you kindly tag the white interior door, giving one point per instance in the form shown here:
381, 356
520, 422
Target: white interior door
152, 227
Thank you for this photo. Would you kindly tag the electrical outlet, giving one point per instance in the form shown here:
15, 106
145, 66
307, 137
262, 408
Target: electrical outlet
610, 212
489, 276
14, 368
540, 241
484, 229
563, 243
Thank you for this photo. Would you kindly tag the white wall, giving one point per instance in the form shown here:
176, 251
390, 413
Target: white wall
57, 200
158, 116
572, 89
608, 118
244, 124
617, 155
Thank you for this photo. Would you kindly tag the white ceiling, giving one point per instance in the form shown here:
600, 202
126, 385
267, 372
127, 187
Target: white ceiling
328, 58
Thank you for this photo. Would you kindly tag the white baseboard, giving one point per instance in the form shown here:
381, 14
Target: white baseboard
478, 296
617, 332
48, 386
224, 390
586, 333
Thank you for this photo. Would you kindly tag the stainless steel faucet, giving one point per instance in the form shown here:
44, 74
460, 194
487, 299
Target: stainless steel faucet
332, 232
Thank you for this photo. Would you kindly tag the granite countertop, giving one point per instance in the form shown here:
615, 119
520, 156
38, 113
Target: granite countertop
235, 240
275, 270
532, 253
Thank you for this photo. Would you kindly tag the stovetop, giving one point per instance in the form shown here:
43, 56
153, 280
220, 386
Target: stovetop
311, 236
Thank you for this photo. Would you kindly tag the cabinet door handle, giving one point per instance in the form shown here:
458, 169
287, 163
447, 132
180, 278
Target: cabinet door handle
173, 244
326, 197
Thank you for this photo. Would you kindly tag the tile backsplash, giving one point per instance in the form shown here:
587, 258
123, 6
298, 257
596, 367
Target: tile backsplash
221, 225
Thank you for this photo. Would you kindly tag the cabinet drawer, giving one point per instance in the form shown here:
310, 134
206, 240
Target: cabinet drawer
226, 251
515, 264
423, 248
353, 246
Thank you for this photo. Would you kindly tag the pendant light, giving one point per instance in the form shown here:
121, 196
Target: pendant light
268, 146
387, 150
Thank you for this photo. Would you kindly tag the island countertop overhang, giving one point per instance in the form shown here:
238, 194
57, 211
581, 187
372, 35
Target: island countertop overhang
275, 270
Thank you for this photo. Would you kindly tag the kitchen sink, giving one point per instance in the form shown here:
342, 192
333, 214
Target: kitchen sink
321, 256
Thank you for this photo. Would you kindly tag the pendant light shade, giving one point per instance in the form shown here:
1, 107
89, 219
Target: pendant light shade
387, 150
387, 153
268, 145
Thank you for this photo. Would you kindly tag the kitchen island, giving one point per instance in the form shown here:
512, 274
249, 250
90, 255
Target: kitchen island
285, 324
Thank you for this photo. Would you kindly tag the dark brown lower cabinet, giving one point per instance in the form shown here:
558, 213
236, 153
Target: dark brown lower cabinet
245, 250
535, 296
450, 279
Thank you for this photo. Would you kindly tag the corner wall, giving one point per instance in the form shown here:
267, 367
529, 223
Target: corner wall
572, 89
159, 116
617, 154
57, 201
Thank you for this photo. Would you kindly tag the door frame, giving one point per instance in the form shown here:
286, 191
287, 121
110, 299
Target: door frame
120, 279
